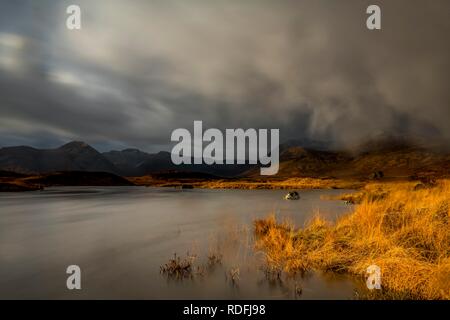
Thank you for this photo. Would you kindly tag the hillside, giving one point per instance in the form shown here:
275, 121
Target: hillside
133, 162
396, 162
74, 156
128, 161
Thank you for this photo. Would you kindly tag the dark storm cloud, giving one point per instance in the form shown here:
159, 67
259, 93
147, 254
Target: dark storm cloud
140, 69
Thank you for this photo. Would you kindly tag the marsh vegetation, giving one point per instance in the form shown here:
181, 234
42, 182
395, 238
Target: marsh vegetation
403, 229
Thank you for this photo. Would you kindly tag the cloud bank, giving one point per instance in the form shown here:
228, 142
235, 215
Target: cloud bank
140, 69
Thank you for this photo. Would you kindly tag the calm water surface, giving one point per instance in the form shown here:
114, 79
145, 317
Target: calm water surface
120, 236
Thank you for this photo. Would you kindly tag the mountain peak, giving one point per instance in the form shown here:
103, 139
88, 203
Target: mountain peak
74, 145
132, 150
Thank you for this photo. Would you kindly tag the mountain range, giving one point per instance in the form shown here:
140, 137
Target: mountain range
397, 158
73, 156
79, 156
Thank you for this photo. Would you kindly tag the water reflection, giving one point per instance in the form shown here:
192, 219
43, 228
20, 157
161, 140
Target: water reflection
121, 236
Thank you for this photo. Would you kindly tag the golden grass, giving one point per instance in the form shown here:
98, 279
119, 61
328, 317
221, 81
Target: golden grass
402, 229
290, 183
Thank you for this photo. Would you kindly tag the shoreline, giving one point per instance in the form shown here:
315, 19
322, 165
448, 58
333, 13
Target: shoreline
23, 183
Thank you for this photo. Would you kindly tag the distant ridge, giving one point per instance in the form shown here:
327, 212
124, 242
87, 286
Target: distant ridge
79, 156
394, 156
73, 156
128, 161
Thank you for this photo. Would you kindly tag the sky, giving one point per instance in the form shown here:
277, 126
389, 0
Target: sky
137, 70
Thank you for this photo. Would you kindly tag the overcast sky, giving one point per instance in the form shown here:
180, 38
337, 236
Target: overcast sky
140, 69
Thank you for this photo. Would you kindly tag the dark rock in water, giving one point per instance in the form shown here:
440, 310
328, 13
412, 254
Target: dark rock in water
294, 195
